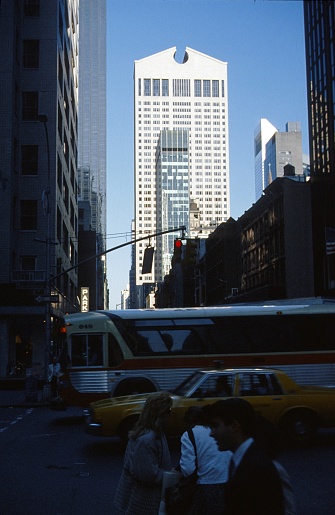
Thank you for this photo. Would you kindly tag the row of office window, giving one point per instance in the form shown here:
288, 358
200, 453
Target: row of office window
181, 88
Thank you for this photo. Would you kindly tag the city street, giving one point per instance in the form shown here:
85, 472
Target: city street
49, 465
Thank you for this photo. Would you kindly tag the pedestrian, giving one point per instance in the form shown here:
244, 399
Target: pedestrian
212, 465
147, 457
271, 440
254, 486
54, 373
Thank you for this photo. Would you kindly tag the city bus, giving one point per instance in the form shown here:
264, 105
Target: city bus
121, 352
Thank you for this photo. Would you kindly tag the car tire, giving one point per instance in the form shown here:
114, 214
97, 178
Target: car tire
300, 427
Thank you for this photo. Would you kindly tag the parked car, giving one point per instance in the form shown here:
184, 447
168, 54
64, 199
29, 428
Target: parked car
297, 411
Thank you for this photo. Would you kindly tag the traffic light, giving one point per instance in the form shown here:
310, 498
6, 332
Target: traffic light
191, 251
177, 250
147, 260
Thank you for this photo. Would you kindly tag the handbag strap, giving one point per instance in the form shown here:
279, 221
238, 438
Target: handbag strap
192, 439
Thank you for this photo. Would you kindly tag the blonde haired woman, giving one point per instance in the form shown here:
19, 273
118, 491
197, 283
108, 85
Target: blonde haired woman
147, 457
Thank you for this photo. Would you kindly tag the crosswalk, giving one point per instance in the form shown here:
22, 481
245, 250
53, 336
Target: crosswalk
11, 421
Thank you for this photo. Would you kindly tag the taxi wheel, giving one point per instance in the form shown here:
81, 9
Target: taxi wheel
300, 427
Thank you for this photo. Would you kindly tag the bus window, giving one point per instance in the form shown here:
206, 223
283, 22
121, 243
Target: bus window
115, 356
86, 350
183, 341
95, 351
155, 341
78, 350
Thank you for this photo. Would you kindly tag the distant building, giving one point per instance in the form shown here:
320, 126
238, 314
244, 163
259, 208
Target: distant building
124, 298
38, 174
172, 194
263, 132
320, 64
92, 152
273, 150
191, 97
283, 148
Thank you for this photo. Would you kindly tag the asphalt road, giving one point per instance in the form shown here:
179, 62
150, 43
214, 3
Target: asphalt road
49, 466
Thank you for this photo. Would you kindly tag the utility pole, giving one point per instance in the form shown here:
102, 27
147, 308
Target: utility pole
47, 210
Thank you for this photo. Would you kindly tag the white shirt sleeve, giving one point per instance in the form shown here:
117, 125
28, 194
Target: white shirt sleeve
187, 459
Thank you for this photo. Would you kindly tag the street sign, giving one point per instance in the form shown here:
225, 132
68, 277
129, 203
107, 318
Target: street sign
48, 298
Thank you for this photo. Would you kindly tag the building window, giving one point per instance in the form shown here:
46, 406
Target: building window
207, 88
147, 87
165, 87
197, 88
31, 7
31, 51
29, 159
139, 87
28, 219
215, 88
27, 263
222, 88
29, 106
181, 87
156, 87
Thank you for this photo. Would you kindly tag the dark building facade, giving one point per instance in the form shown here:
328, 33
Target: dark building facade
267, 254
91, 268
276, 244
223, 263
320, 67
38, 177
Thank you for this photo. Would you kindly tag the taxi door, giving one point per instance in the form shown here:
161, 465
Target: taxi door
264, 393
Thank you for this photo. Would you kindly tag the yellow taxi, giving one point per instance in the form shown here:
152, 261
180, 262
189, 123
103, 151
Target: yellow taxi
297, 411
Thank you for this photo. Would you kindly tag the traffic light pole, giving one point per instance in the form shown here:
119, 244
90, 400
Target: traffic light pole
148, 236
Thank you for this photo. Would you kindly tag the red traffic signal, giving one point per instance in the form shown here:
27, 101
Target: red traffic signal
177, 250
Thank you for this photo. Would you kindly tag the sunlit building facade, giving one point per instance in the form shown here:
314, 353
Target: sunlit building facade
191, 96
263, 132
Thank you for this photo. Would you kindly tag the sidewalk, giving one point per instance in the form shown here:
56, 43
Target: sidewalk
19, 398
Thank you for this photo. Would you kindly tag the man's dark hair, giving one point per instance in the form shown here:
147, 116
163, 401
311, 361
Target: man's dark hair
229, 410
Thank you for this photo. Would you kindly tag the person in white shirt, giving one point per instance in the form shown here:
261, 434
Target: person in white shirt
54, 373
212, 466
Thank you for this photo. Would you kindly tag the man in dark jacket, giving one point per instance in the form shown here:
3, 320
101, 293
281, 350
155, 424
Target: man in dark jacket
254, 486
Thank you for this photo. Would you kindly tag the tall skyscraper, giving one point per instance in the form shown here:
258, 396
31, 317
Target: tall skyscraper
38, 175
320, 66
92, 141
191, 97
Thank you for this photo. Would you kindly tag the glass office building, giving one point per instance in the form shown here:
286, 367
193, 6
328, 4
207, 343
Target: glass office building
320, 66
173, 195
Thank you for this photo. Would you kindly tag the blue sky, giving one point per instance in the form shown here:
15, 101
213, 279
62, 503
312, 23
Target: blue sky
263, 43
